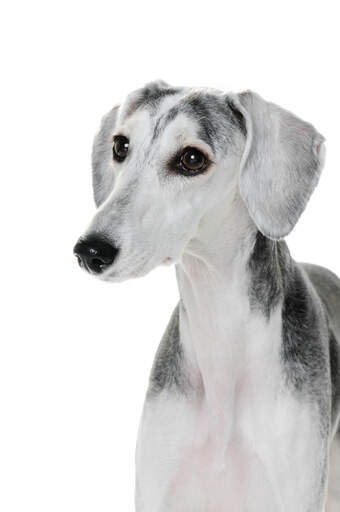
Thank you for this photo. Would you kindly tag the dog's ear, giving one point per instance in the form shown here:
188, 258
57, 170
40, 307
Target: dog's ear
281, 164
102, 175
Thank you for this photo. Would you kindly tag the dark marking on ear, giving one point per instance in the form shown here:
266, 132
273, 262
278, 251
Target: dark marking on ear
334, 358
168, 369
200, 109
265, 266
237, 117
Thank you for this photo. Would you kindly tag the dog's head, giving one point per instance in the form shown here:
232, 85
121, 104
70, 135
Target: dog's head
169, 157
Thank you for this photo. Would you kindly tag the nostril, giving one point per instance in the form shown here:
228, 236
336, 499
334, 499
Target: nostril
97, 261
97, 265
95, 254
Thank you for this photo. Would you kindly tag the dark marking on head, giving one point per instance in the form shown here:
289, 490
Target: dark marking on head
163, 121
265, 266
213, 118
200, 108
151, 95
169, 366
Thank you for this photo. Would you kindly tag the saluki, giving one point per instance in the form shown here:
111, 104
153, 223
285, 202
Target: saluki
243, 405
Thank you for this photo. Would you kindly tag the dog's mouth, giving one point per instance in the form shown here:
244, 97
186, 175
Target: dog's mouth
126, 268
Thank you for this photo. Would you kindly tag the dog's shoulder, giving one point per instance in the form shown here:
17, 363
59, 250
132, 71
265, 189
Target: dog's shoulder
327, 286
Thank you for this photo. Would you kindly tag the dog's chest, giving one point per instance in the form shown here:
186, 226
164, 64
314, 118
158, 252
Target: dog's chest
225, 467
189, 459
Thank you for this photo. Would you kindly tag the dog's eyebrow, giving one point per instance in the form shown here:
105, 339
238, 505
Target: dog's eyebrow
163, 121
198, 109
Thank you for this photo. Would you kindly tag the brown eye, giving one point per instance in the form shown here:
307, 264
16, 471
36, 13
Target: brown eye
192, 161
120, 147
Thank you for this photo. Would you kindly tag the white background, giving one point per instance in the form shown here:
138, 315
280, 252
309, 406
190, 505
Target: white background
76, 352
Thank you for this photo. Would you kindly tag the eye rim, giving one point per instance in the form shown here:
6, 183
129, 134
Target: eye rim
179, 166
116, 156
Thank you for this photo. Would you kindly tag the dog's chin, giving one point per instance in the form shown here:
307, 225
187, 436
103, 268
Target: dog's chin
117, 274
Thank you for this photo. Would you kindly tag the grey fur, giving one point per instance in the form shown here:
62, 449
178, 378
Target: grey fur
334, 356
168, 370
310, 320
305, 341
266, 266
150, 96
215, 117
327, 285
215, 113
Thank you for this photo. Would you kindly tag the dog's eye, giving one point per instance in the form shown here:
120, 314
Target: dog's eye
192, 162
120, 147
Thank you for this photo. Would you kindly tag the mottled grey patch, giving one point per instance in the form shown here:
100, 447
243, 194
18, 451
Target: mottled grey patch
266, 268
327, 286
202, 108
303, 328
305, 341
212, 114
308, 345
168, 369
151, 95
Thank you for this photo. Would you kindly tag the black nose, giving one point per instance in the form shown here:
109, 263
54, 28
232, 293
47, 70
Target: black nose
94, 254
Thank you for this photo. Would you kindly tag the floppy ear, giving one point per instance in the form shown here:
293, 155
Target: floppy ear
281, 164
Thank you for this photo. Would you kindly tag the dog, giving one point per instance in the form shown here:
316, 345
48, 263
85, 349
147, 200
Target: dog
242, 412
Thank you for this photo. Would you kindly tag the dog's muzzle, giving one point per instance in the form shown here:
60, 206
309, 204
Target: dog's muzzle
94, 254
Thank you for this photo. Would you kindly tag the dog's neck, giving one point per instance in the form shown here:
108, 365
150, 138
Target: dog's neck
223, 337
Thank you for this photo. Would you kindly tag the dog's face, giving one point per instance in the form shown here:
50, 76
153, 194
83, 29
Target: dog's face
167, 158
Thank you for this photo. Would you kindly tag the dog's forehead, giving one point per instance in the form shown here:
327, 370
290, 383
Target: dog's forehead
151, 98
203, 110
